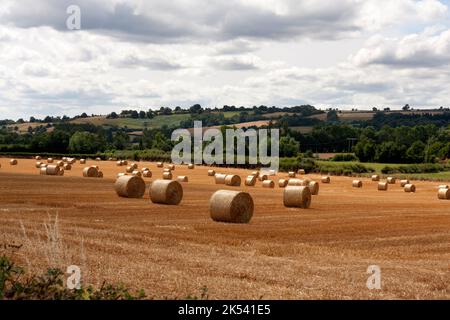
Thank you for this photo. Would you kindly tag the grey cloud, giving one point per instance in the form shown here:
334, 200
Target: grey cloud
149, 63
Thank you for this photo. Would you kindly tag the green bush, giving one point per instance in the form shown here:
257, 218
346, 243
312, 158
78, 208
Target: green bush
340, 157
414, 168
343, 169
50, 286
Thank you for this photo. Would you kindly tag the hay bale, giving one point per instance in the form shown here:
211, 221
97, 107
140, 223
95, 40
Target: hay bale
136, 173
282, 183
124, 162
233, 180
298, 182
43, 171
37, 158
50, 160
167, 170
100, 174
60, 163
211, 173
191, 166
166, 192
61, 172
67, 166
44, 165
13, 162
256, 174
147, 174
410, 188
301, 171
134, 166
82, 161
167, 175
297, 197
357, 184
268, 184
314, 187
145, 169
98, 159
231, 206
443, 186
403, 183
375, 177
52, 170
326, 179
382, 186
119, 163
130, 187
250, 181
263, 177
291, 174
272, 173
129, 169
444, 194
160, 164
38, 164
182, 179
121, 174
391, 180
171, 166
220, 178
90, 172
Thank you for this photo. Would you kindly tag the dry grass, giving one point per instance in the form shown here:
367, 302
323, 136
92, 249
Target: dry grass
322, 252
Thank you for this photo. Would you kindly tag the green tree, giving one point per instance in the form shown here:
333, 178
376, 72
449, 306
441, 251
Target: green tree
85, 142
289, 147
416, 153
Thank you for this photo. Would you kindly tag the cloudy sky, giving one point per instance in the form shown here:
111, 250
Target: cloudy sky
146, 54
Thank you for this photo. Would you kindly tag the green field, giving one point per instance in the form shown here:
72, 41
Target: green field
156, 122
445, 175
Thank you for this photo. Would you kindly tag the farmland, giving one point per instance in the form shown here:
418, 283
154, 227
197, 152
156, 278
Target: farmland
175, 252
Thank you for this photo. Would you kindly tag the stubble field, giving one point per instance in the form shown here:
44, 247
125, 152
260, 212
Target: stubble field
176, 252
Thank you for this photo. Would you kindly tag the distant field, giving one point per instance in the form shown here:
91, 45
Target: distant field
302, 130
156, 122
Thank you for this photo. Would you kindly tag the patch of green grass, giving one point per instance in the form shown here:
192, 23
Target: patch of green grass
156, 122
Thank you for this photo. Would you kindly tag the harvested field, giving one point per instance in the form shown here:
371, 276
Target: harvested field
283, 253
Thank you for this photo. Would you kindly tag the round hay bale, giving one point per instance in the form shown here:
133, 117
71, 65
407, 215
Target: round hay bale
272, 173
250, 181
129, 169
326, 179
298, 182
98, 159
220, 178
410, 188
121, 174
61, 172
50, 160
191, 166
43, 171
171, 166
167, 170
357, 184
282, 183
134, 166
268, 184
314, 188
37, 158
375, 177
233, 180
72, 161
130, 187
263, 177
443, 186
119, 163
297, 197
13, 162
256, 174
166, 192
100, 174
44, 165
67, 166
403, 183
124, 162
60, 163
90, 172
137, 173
167, 175
182, 179
38, 164
444, 194
382, 186
301, 171
291, 174
391, 180
211, 173
53, 170
231, 206
145, 169
147, 174
160, 164
82, 161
